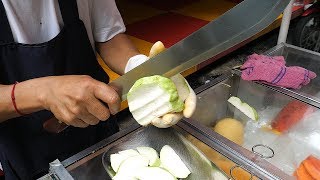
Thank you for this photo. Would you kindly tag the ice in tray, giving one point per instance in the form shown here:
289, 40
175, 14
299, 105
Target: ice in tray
286, 132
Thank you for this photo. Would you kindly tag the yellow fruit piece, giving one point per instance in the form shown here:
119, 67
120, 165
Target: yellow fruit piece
231, 129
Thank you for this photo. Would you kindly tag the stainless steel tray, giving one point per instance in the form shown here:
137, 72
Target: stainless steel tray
199, 165
296, 56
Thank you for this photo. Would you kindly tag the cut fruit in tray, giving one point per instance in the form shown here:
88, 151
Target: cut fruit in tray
244, 108
145, 164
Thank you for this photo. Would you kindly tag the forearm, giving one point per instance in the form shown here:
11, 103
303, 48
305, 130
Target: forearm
116, 52
27, 98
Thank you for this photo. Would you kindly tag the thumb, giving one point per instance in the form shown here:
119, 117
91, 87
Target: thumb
157, 48
190, 103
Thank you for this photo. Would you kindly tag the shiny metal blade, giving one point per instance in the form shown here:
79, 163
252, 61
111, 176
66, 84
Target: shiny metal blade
235, 26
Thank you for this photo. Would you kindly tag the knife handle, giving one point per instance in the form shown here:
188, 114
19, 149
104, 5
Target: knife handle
53, 125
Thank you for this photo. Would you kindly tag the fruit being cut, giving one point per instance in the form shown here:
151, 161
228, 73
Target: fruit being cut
152, 97
172, 162
244, 107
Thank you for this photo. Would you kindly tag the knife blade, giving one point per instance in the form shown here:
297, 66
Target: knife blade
233, 27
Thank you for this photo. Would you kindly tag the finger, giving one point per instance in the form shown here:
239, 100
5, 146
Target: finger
159, 123
89, 119
190, 104
108, 95
67, 117
157, 48
79, 123
173, 118
167, 120
98, 110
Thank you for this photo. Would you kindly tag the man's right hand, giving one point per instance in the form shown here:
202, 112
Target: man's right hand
77, 100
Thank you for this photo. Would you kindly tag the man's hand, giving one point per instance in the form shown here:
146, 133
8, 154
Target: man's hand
190, 102
78, 100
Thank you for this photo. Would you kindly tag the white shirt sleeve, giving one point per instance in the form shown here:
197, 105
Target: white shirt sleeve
106, 21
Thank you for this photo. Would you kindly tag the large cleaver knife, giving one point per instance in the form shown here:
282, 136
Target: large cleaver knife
233, 27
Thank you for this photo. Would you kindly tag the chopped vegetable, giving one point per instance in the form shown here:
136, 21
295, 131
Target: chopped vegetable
302, 174
117, 159
231, 129
172, 162
129, 167
244, 107
290, 115
154, 96
139, 167
154, 173
152, 155
312, 165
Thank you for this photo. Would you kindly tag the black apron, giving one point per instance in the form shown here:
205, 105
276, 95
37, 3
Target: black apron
25, 147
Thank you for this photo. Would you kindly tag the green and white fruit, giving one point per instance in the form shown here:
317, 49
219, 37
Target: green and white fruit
181, 85
154, 96
152, 155
172, 162
244, 107
154, 173
129, 152
142, 166
128, 168
117, 159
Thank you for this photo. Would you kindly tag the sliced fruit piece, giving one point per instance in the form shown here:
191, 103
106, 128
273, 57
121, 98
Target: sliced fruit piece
172, 162
290, 115
129, 152
128, 168
302, 174
116, 160
231, 129
182, 86
312, 165
244, 107
154, 173
152, 155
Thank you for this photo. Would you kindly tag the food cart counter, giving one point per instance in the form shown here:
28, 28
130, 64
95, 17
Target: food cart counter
221, 142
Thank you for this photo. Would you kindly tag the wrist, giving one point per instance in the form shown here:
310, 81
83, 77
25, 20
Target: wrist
135, 61
28, 96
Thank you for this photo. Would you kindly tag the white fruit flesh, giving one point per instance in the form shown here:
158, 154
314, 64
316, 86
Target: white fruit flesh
128, 167
172, 162
129, 152
152, 155
182, 86
244, 107
152, 97
154, 173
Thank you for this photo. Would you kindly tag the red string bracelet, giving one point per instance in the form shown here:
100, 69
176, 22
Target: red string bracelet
13, 99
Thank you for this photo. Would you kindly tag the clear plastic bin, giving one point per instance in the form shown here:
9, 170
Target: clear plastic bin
296, 56
286, 149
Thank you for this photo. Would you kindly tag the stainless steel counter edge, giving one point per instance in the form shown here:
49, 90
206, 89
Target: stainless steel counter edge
99, 145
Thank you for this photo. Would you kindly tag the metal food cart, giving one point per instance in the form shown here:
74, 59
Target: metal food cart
263, 154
